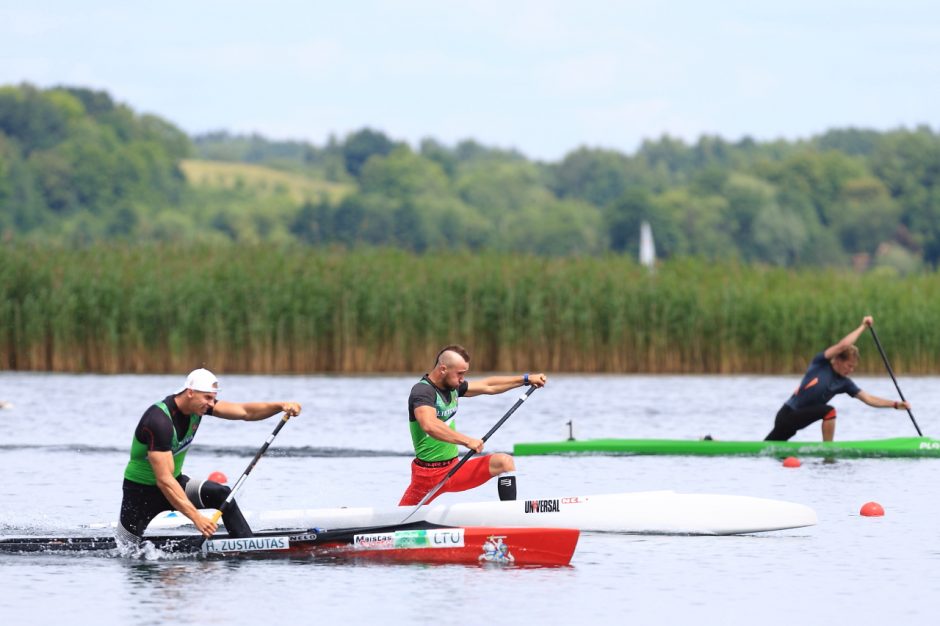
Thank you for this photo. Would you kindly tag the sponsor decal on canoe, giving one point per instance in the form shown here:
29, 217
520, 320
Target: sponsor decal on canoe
404, 539
495, 550
247, 544
375, 541
542, 506
930, 445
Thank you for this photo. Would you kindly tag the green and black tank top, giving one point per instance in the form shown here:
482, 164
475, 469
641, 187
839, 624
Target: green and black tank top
153, 433
424, 393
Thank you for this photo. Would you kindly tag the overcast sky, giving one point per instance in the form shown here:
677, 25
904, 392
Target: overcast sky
544, 77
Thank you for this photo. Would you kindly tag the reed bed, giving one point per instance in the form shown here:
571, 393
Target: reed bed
299, 310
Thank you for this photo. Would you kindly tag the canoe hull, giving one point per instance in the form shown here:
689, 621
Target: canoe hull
413, 543
649, 512
896, 447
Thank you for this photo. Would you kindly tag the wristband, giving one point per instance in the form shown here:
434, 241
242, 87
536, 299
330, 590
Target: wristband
895, 404
525, 380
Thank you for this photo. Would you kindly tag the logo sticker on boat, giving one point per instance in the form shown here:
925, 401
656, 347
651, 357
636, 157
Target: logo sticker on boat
930, 445
542, 506
404, 539
495, 551
246, 544
375, 541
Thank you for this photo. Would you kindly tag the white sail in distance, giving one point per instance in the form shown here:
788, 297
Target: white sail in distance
647, 247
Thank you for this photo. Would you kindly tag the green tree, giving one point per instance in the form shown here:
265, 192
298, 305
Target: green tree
850, 141
596, 176
559, 228
685, 223
669, 156
497, 188
746, 196
779, 236
402, 174
439, 153
622, 219
908, 163
37, 120
363, 144
865, 215
817, 176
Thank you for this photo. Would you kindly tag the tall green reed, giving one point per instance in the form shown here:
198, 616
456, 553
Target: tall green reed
162, 308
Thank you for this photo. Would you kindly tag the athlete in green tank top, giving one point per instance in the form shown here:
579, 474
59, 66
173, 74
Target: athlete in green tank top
432, 407
427, 448
153, 478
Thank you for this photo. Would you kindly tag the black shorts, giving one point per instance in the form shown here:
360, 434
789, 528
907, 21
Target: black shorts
142, 503
790, 420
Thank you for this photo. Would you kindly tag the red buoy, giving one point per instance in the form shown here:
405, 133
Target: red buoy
218, 477
872, 509
791, 461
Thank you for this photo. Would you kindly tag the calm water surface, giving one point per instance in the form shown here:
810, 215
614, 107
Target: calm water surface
66, 439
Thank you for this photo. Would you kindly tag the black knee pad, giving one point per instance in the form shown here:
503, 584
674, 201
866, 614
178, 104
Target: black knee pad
506, 487
206, 494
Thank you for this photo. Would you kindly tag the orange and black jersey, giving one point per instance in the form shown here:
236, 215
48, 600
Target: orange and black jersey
819, 384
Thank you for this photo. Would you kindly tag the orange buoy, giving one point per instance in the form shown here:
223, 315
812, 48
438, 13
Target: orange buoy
872, 509
791, 461
218, 477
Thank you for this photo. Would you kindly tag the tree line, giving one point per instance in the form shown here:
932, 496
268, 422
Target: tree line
77, 167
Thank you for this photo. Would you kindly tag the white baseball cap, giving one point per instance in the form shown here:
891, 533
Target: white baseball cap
201, 380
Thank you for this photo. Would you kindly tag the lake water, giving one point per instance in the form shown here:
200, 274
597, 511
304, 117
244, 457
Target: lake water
66, 439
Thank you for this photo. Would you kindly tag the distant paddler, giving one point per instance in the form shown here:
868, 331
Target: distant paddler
432, 410
827, 375
153, 479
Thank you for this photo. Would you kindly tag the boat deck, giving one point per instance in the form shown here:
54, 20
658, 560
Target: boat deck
895, 447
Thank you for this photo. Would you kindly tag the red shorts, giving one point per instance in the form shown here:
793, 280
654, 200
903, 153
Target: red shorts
471, 474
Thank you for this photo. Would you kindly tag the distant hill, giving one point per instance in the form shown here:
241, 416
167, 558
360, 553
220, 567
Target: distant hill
261, 180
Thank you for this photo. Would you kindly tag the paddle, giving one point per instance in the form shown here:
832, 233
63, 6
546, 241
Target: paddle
470, 453
888, 367
241, 480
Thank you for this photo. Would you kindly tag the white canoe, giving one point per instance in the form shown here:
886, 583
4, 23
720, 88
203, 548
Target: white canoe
649, 512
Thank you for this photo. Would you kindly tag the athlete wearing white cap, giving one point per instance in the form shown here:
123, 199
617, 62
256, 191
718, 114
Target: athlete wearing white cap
201, 380
153, 478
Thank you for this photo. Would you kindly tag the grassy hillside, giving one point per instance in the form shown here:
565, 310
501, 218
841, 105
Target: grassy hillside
260, 180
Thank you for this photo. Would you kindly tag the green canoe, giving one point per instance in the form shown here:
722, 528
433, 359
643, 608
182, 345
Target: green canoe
896, 447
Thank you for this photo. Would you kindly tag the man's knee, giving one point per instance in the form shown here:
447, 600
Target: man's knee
206, 494
501, 463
